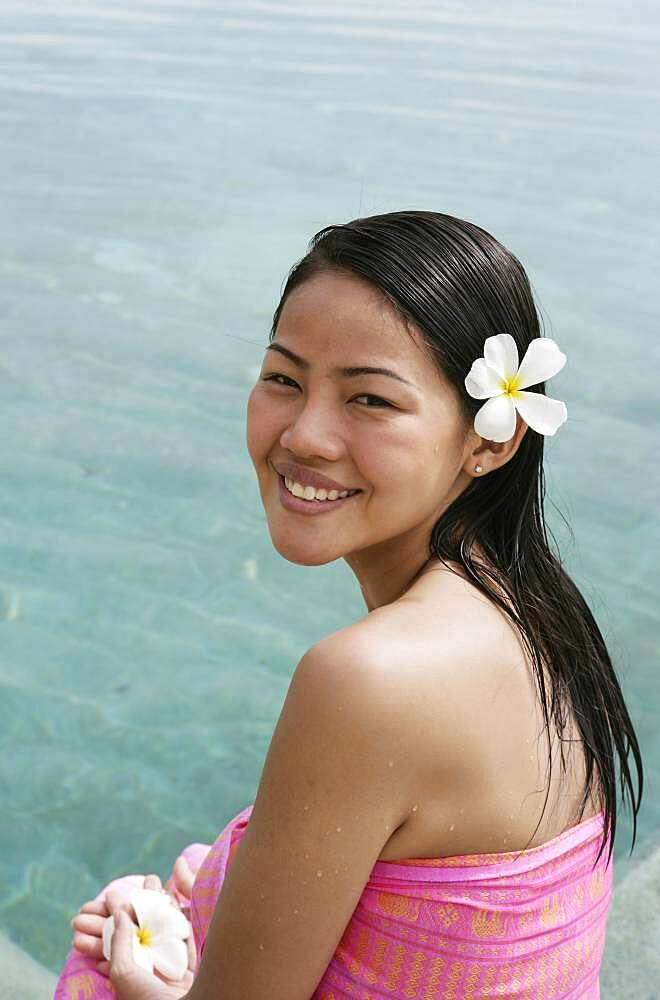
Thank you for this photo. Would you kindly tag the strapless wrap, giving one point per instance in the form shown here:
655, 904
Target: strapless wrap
526, 925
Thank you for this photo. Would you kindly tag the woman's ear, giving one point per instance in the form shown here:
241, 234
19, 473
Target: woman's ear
486, 456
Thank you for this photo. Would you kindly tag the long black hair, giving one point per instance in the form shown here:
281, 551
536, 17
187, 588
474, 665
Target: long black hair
457, 285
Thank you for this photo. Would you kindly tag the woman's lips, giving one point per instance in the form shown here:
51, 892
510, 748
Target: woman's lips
300, 506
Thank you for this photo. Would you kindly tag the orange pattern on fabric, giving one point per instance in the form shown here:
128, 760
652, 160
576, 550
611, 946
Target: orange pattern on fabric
485, 924
81, 987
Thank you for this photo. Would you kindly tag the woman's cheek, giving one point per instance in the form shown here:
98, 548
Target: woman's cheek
256, 425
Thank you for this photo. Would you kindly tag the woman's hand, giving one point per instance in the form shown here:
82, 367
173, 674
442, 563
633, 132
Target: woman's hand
180, 883
130, 981
88, 923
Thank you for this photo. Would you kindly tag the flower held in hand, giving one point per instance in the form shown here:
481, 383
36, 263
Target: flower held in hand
498, 378
159, 938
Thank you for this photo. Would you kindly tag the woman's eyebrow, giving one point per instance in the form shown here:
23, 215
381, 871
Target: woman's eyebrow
349, 372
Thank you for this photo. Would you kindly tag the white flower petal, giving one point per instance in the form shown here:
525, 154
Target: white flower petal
108, 931
155, 910
142, 955
501, 353
483, 382
496, 420
170, 957
542, 360
169, 923
543, 414
145, 902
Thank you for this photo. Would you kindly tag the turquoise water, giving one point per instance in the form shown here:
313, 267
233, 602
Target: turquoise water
162, 164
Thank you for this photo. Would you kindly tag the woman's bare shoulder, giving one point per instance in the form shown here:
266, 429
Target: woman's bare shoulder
443, 619
444, 650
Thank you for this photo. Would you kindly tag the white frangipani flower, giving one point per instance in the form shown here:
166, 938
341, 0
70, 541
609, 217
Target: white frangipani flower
498, 378
159, 939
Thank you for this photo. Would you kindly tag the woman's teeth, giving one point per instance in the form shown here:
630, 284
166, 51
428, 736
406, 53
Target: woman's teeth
309, 493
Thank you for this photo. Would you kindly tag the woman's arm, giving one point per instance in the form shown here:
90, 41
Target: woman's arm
336, 784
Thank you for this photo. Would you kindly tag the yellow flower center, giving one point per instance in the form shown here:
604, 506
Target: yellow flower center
144, 936
510, 385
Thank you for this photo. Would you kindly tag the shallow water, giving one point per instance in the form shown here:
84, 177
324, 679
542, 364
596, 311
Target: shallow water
162, 164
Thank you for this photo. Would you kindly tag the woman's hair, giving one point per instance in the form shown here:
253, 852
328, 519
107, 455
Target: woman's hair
457, 286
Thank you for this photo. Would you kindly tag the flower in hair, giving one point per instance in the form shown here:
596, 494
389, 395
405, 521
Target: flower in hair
498, 378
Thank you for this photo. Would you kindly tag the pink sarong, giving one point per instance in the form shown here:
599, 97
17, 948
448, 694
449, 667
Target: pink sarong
526, 925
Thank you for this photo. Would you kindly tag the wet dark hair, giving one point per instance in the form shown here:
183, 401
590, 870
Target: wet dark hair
456, 284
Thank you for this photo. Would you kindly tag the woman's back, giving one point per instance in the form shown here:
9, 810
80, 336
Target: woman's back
482, 782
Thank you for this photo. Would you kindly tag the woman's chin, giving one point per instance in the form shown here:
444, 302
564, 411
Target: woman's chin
305, 555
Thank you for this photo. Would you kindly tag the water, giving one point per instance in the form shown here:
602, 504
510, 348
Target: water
162, 164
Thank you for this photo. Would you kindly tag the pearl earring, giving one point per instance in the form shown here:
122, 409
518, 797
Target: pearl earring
477, 468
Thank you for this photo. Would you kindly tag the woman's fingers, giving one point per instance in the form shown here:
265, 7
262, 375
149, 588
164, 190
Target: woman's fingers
97, 906
88, 944
88, 923
122, 967
116, 900
153, 882
183, 876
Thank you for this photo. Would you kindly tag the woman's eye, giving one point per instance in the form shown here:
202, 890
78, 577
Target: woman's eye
276, 375
379, 401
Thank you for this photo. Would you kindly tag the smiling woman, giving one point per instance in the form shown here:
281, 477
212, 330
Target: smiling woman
373, 425
410, 836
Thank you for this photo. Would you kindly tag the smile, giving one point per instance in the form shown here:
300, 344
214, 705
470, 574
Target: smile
309, 493
308, 500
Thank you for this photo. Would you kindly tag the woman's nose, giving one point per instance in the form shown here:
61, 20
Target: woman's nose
314, 431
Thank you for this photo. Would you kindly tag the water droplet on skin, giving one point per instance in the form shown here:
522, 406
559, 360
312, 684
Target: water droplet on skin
306, 856
262, 895
336, 871
295, 911
338, 829
451, 827
339, 708
461, 811
305, 808
414, 809
390, 763
318, 874
261, 947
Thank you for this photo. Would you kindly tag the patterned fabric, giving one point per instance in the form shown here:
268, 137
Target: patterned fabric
527, 925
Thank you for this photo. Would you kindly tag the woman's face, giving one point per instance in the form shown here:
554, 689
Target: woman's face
399, 439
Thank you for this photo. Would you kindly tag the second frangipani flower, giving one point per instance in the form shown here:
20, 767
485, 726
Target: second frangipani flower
160, 936
499, 378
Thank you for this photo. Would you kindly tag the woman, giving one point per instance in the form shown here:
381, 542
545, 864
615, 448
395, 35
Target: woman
437, 807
